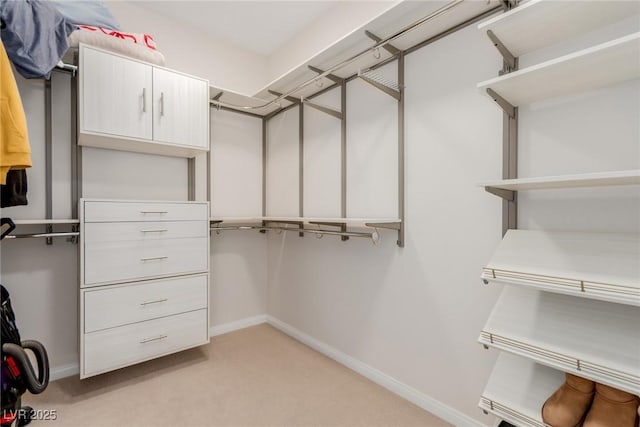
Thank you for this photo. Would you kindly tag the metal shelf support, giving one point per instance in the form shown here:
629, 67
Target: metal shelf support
331, 77
510, 61
388, 47
327, 110
509, 109
378, 85
508, 195
288, 98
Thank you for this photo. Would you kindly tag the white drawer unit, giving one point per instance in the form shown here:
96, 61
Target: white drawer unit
111, 262
115, 348
101, 232
116, 211
112, 306
144, 282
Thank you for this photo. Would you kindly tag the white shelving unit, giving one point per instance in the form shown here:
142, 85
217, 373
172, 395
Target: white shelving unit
602, 266
539, 23
519, 402
593, 339
596, 179
612, 62
571, 300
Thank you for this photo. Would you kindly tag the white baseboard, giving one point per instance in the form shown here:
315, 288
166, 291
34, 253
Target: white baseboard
238, 324
414, 396
64, 371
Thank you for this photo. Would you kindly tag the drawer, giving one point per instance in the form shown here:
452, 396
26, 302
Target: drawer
118, 347
109, 262
123, 231
98, 211
122, 305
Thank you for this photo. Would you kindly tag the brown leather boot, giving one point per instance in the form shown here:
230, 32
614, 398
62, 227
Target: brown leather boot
568, 406
612, 408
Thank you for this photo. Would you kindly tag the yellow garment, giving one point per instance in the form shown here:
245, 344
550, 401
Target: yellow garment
15, 152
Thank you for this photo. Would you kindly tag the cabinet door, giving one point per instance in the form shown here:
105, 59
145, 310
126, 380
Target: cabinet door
180, 109
116, 95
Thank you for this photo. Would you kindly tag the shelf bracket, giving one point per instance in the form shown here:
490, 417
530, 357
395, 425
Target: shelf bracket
503, 103
215, 99
327, 110
331, 77
385, 225
388, 47
378, 85
509, 195
509, 59
287, 98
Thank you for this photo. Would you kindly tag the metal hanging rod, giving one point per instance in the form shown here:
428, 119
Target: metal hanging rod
374, 235
325, 73
64, 67
45, 235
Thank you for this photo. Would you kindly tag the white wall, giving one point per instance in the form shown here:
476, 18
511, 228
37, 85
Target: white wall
412, 313
238, 258
192, 51
283, 155
322, 158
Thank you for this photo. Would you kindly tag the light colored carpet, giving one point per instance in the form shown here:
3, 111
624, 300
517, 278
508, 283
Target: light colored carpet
253, 377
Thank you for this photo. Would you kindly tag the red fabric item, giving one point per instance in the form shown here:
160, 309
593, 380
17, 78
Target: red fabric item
141, 39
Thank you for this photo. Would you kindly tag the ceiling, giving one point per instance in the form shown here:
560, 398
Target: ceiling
259, 26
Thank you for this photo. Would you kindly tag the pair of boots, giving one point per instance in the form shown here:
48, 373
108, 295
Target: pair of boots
581, 402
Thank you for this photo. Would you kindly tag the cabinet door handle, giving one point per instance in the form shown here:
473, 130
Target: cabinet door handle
154, 258
144, 99
148, 340
154, 231
161, 104
158, 301
154, 212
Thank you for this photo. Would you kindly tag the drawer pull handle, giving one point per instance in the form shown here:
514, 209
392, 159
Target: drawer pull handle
154, 212
148, 340
153, 258
153, 231
158, 301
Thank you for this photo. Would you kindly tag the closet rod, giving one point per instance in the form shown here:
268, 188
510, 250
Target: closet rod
46, 235
66, 68
374, 235
348, 61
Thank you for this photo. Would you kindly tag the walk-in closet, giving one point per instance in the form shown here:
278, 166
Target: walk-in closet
332, 213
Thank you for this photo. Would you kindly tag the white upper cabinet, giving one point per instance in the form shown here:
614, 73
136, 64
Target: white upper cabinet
115, 96
129, 105
178, 116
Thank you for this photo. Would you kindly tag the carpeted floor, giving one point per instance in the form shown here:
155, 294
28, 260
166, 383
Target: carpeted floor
253, 377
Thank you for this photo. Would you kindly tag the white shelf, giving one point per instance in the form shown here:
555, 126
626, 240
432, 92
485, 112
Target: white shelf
355, 222
232, 97
45, 221
597, 179
601, 266
593, 339
389, 22
605, 64
517, 389
540, 23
